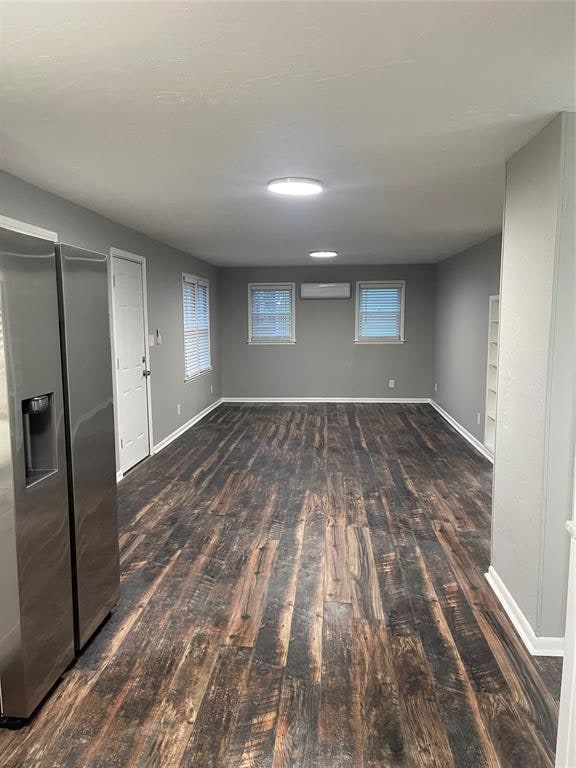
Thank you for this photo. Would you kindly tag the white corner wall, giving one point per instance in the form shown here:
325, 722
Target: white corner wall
560, 412
529, 552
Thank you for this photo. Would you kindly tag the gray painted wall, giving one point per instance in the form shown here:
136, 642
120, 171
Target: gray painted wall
464, 284
325, 361
535, 418
78, 226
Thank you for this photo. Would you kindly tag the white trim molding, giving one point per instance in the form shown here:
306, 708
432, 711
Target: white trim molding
538, 646
27, 229
199, 416
566, 743
468, 436
185, 427
288, 400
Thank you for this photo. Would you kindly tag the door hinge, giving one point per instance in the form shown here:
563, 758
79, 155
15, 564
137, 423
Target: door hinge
117, 363
121, 443
114, 281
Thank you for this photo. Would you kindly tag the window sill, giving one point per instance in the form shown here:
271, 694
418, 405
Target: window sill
380, 341
271, 343
197, 375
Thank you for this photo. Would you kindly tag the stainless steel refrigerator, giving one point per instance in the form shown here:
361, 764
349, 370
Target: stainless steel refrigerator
58, 560
89, 416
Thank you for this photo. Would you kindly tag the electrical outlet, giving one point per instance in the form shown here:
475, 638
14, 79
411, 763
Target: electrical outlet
477, 418
212, 389
391, 383
436, 386
179, 409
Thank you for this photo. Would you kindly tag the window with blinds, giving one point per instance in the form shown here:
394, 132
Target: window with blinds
380, 311
271, 313
196, 303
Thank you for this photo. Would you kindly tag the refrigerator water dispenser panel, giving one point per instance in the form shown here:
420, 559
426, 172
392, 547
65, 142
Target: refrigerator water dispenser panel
39, 438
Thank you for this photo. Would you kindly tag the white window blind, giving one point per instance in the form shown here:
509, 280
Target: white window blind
380, 311
271, 313
196, 326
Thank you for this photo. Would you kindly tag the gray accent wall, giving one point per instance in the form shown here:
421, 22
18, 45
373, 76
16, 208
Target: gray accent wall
533, 478
79, 226
325, 361
464, 284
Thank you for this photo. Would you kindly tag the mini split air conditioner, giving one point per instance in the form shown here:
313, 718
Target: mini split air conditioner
324, 290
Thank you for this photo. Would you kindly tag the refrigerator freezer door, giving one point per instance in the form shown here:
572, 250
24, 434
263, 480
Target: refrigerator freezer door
36, 622
85, 333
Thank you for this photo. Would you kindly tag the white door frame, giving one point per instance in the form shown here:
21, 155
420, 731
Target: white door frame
120, 254
566, 744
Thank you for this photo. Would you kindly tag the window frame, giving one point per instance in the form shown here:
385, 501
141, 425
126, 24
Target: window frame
271, 341
196, 280
384, 284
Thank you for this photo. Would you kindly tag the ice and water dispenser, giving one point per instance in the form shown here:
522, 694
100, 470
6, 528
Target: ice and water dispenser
39, 437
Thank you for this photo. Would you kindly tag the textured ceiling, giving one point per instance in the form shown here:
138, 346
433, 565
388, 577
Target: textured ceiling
171, 117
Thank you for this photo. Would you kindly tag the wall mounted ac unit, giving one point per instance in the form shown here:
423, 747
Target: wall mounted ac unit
324, 290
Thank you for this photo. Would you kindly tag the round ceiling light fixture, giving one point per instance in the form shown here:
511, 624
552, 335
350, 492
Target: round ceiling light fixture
323, 254
295, 186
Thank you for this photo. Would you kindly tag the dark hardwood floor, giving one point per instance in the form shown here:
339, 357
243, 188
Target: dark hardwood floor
303, 586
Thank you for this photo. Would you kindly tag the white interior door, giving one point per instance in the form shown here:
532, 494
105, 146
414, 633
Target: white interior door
131, 361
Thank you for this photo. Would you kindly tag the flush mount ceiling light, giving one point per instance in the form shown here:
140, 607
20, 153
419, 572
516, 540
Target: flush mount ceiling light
294, 186
323, 254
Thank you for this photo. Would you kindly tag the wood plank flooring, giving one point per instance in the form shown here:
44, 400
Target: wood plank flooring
302, 586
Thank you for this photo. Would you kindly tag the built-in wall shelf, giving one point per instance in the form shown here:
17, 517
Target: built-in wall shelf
492, 373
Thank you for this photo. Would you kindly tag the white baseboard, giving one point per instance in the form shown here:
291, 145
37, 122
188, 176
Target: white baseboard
474, 442
398, 400
195, 419
325, 400
538, 646
180, 431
